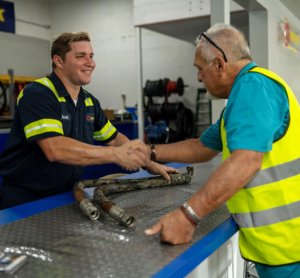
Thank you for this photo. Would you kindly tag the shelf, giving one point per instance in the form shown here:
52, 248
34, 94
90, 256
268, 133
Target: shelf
26, 79
205, 101
204, 111
203, 123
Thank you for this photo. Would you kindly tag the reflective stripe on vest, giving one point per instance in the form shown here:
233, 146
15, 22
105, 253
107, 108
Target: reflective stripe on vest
276, 173
267, 209
267, 217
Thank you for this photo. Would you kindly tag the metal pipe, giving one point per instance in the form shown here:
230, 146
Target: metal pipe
85, 204
105, 187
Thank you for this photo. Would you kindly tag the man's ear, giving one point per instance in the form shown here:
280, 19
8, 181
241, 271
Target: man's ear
57, 61
219, 64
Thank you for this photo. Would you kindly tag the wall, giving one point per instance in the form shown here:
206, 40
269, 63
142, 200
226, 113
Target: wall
26, 56
284, 62
111, 26
168, 57
33, 18
277, 58
27, 51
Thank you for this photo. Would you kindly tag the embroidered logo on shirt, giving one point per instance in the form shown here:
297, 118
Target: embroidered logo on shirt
90, 118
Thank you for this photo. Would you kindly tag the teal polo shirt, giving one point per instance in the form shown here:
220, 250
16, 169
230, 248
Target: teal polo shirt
256, 114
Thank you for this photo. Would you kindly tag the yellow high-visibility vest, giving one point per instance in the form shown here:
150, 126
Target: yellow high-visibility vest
267, 209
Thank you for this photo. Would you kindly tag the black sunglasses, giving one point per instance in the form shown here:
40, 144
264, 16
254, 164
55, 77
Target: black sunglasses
214, 44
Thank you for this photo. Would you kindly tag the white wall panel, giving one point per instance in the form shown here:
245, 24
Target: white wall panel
111, 26
32, 18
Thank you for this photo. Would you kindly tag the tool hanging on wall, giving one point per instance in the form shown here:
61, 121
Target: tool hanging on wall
19, 86
106, 186
2, 98
164, 87
178, 119
10, 87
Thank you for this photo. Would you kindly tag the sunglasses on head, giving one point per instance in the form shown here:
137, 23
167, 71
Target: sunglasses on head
213, 44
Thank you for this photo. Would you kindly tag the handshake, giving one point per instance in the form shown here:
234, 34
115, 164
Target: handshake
135, 154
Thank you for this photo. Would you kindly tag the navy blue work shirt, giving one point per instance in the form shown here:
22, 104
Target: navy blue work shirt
24, 167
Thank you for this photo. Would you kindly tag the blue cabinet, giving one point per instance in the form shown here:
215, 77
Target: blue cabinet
3, 139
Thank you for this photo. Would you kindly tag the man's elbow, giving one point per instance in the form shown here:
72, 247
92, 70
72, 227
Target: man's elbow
52, 155
50, 148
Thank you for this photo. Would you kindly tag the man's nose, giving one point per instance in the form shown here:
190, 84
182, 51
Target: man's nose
199, 77
90, 61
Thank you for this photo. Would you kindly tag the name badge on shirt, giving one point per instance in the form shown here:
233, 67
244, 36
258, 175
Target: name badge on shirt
66, 117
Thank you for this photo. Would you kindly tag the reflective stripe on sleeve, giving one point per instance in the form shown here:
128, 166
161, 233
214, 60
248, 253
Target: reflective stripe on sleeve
43, 126
105, 133
267, 217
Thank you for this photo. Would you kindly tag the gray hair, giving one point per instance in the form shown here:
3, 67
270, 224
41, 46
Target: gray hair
231, 40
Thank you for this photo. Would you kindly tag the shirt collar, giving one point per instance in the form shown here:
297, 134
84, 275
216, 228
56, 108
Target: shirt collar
245, 69
59, 86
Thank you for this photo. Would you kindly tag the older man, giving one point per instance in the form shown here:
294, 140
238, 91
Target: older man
259, 177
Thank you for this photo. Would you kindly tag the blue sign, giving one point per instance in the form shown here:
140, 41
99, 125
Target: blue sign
7, 17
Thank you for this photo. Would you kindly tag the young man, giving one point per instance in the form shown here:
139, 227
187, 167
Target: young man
55, 124
259, 178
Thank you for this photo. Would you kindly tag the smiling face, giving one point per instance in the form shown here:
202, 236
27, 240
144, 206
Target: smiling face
77, 66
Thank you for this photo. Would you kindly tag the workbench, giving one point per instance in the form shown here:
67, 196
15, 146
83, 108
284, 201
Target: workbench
60, 241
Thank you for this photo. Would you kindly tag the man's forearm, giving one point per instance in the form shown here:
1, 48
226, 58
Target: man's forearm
119, 140
233, 174
188, 151
69, 151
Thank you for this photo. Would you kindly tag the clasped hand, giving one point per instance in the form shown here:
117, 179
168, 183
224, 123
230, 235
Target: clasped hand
133, 154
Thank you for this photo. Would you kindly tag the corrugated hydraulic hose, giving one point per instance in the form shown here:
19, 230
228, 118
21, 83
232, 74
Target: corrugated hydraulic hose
105, 187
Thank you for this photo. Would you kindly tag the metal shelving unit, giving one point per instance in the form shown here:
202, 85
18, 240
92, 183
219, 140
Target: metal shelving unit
10, 86
203, 112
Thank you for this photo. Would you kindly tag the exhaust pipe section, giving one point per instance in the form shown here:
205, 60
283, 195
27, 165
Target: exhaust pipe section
86, 206
105, 187
112, 209
89, 209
